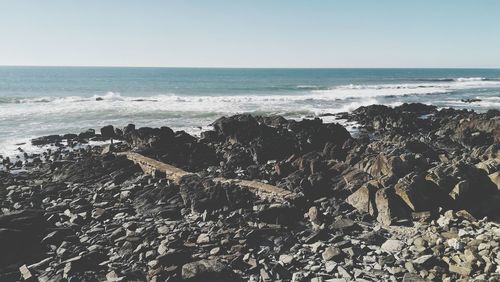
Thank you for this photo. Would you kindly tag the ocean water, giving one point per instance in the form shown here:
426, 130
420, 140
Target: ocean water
37, 101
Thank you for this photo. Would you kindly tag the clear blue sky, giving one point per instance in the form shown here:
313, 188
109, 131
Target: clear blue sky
251, 33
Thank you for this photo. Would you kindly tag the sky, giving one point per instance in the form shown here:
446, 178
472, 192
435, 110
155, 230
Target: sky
251, 33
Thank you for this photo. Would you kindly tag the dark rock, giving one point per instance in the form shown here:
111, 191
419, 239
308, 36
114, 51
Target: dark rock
20, 236
108, 132
46, 140
87, 134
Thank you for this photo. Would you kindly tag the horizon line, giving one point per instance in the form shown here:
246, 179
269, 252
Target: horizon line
238, 67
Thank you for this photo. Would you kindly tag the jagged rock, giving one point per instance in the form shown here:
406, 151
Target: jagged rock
390, 207
108, 132
419, 194
332, 253
364, 198
495, 178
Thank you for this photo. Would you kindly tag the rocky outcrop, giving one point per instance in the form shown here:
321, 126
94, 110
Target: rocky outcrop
413, 196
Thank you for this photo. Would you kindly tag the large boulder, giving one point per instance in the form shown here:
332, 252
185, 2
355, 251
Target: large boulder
390, 207
108, 132
314, 134
419, 194
238, 128
364, 198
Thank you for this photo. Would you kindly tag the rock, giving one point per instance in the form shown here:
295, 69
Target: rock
298, 277
379, 166
163, 229
332, 253
203, 239
112, 276
25, 272
162, 249
495, 178
314, 216
215, 251
424, 260
411, 277
390, 208
419, 194
392, 246
460, 190
108, 132
464, 271
90, 133
286, 259
45, 140
207, 270
364, 198
20, 235
344, 224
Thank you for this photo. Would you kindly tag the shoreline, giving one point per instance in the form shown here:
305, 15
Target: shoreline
414, 180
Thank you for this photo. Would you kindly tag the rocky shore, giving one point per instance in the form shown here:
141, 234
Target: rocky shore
412, 196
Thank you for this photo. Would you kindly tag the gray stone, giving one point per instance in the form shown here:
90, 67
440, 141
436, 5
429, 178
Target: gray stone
204, 270
203, 239
392, 246
332, 253
412, 277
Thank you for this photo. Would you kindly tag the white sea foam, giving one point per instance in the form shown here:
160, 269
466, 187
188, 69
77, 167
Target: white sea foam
55, 115
381, 90
462, 79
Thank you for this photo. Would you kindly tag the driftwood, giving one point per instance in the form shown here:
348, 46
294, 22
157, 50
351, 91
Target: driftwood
157, 168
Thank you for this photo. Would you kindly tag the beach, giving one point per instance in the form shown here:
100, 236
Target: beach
410, 192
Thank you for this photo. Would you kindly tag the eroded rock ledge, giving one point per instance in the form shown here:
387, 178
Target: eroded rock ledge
414, 195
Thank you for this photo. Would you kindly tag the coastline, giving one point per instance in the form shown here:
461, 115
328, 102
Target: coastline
406, 186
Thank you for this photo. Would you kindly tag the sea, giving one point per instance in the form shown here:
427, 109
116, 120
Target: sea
36, 101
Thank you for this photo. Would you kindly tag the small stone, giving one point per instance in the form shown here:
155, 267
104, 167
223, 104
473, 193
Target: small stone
153, 263
200, 270
214, 251
455, 244
286, 259
392, 246
409, 266
343, 272
313, 214
423, 260
330, 266
163, 229
203, 239
315, 246
331, 253
25, 272
483, 246
98, 213
411, 277
162, 249
462, 270
112, 276
297, 277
